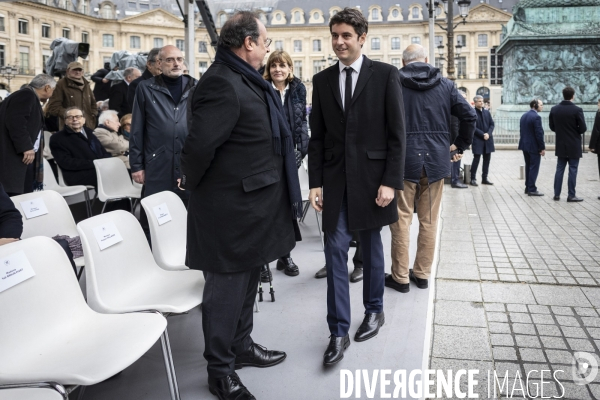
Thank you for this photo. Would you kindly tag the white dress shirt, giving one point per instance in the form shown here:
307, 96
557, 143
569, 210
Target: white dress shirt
356, 65
282, 94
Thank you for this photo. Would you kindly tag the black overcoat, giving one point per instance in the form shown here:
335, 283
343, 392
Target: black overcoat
21, 121
595, 139
568, 122
484, 124
117, 99
358, 152
239, 212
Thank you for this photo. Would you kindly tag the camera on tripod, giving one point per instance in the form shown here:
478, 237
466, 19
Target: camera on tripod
64, 52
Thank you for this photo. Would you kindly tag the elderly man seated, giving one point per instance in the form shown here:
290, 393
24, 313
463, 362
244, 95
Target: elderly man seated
75, 148
108, 134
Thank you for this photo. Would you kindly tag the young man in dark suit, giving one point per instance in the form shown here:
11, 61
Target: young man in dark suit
532, 144
117, 99
356, 157
483, 142
567, 120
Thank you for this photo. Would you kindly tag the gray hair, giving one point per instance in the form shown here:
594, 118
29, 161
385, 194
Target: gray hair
477, 98
128, 72
106, 115
238, 28
41, 80
416, 53
153, 55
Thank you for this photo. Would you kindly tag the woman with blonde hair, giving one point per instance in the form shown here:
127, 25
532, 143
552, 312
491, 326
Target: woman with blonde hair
125, 125
280, 72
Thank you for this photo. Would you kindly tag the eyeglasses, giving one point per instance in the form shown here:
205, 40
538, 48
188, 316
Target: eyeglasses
74, 117
171, 60
268, 42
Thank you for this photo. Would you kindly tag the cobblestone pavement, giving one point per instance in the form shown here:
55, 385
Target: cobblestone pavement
517, 285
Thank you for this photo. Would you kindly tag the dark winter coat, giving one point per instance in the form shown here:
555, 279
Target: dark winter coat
595, 139
117, 99
70, 94
295, 109
239, 214
568, 122
11, 221
429, 102
101, 89
532, 133
21, 121
158, 132
133, 87
485, 124
355, 152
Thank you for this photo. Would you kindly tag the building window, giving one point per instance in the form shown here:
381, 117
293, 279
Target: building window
279, 45
132, 4
415, 40
180, 44
85, 7
501, 35
482, 40
396, 63
439, 40
107, 11
461, 67
24, 60
66, 33
202, 47
461, 39
438, 63
45, 31
144, 6
135, 42
1, 55
202, 67
395, 43
278, 17
316, 45
23, 27
316, 15
108, 40
222, 19
2, 29
375, 14
297, 16
415, 13
318, 66
375, 44
45, 56
85, 37
298, 69
158, 42
483, 67
395, 13
297, 46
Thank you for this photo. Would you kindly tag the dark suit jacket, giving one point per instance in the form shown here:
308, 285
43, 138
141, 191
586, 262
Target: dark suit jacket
11, 221
133, 86
75, 155
358, 152
566, 119
595, 139
532, 133
101, 89
484, 124
117, 99
21, 120
239, 212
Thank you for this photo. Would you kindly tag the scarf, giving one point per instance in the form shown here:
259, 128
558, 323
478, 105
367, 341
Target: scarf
283, 143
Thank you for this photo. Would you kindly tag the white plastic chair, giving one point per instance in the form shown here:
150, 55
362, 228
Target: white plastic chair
49, 334
114, 182
61, 182
125, 278
39, 391
58, 221
65, 191
169, 239
305, 189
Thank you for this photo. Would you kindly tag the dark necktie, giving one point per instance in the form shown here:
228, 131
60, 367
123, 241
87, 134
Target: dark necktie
348, 92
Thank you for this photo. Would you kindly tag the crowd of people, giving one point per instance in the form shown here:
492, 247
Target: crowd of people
381, 143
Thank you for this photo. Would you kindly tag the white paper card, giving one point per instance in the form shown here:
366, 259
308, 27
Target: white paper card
14, 269
162, 213
34, 208
107, 235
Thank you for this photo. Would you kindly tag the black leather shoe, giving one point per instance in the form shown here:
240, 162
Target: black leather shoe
421, 283
229, 388
574, 199
536, 193
265, 274
556, 198
335, 350
486, 182
353, 243
526, 191
356, 275
259, 356
391, 283
474, 182
459, 185
369, 327
322, 273
288, 266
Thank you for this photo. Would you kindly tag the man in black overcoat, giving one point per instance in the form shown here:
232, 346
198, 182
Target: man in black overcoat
240, 208
117, 98
356, 162
483, 142
568, 122
533, 145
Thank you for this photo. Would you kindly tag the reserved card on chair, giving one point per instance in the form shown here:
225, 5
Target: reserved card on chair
162, 213
107, 235
34, 208
14, 269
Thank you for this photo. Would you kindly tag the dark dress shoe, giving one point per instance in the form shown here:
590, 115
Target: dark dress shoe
391, 283
259, 356
421, 283
459, 185
229, 388
556, 198
574, 199
322, 273
370, 326
356, 275
288, 266
526, 191
335, 350
265, 274
536, 193
486, 182
353, 243
474, 182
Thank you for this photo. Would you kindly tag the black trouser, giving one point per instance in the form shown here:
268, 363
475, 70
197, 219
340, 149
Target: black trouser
227, 314
486, 166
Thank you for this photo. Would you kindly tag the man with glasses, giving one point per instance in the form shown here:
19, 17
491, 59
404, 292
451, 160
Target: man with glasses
151, 71
74, 91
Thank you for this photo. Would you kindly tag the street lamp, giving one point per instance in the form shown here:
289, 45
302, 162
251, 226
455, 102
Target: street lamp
8, 72
463, 9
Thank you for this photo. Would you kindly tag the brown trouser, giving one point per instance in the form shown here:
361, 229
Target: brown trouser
428, 213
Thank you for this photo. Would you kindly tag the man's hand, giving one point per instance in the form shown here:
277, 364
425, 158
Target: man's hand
139, 177
385, 195
316, 199
104, 80
543, 153
28, 157
7, 240
486, 136
179, 184
457, 156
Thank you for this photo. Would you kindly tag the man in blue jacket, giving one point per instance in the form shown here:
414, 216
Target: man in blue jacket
532, 144
483, 142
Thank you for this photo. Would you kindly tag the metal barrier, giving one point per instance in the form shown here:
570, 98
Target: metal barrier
507, 130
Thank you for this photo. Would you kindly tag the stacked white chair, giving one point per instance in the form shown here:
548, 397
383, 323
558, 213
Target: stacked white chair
114, 182
33, 392
305, 189
65, 191
50, 335
125, 278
